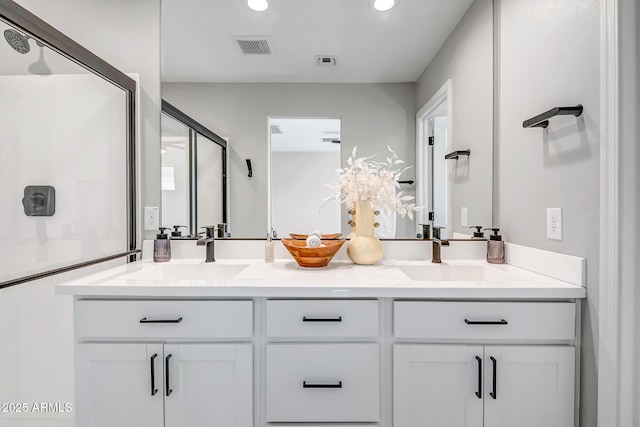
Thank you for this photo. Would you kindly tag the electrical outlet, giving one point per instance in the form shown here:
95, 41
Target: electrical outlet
554, 223
463, 217
151, 218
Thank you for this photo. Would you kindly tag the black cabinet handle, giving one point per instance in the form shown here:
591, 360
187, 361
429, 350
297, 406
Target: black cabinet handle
322, 319
145, 320
494, 393
154, 390
166, 374
479, 392
486, 322
311, 385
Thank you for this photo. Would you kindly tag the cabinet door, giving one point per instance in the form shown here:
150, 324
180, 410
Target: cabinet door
208, 385
437, 385
114, 385
534, 386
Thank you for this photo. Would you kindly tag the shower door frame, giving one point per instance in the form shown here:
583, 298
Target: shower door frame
18, 17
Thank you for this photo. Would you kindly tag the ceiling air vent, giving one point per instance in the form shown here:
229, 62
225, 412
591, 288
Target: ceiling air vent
275, 130
331, 140
254, 45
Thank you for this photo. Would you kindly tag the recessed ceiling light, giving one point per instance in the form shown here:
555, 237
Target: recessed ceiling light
258, 5
383, 5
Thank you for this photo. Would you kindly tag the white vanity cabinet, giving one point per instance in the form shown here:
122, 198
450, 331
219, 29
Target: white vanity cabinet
322, 361
114, 385
472, 365
269, 362
158, 378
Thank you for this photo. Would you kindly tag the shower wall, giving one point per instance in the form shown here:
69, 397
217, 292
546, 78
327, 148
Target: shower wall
67, 131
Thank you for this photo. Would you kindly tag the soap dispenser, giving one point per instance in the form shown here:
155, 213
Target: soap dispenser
495, 247
269, 254
176, 233
478, 234
162, 247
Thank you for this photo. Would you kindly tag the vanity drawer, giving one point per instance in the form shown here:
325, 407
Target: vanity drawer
163, 319
323, 383
484, 320
322, 318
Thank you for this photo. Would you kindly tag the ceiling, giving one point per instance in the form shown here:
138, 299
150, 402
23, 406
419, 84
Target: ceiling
372, 47
305, 135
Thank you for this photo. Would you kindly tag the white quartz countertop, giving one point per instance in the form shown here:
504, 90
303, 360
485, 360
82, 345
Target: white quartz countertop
243, 278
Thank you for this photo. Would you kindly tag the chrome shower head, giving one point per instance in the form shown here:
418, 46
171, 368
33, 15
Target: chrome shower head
17, 41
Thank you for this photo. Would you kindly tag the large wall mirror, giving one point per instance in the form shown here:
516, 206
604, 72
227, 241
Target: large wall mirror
244, 69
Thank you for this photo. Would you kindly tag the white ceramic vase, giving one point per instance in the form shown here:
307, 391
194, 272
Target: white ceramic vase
364, 248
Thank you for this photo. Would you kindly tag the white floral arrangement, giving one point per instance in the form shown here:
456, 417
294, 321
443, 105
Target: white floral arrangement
365, 179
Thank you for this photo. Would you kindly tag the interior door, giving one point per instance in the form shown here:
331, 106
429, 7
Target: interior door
529, 386
437, 385
208, 385
120, 385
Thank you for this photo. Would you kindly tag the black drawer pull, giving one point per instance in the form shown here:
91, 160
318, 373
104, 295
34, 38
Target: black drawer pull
494, 393
322, 319
311, 385
168, 389
154, 390
486, 322
479, 392
145, 320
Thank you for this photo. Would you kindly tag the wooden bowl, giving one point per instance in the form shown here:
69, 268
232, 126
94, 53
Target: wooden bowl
324, 236
312, 257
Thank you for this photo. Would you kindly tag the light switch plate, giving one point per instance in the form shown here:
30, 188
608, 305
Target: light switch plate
554, 223
151, 217
463, 217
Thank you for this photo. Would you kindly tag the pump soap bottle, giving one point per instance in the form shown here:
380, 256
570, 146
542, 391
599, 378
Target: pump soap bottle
478, 234
269, 249
162, 247
495, 247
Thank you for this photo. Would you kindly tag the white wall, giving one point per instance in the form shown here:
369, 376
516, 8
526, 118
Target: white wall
304, 174
373, 116
549, 53
126, 34
467, 59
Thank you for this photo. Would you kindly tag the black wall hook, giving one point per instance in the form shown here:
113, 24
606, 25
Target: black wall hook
249, 167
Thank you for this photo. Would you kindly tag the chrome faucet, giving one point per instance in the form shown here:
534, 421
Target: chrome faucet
208, 241
437, 244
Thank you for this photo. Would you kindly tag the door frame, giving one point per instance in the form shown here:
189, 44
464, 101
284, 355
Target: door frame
616, 334
423, 171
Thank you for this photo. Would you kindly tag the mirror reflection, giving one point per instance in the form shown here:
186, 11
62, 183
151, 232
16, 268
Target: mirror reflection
375, 71
176, 172
305, 154
194, 175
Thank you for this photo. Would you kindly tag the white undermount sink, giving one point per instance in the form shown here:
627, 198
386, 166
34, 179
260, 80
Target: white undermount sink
455, 272
196, 271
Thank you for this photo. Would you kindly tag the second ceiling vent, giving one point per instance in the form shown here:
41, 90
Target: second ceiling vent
254, 45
